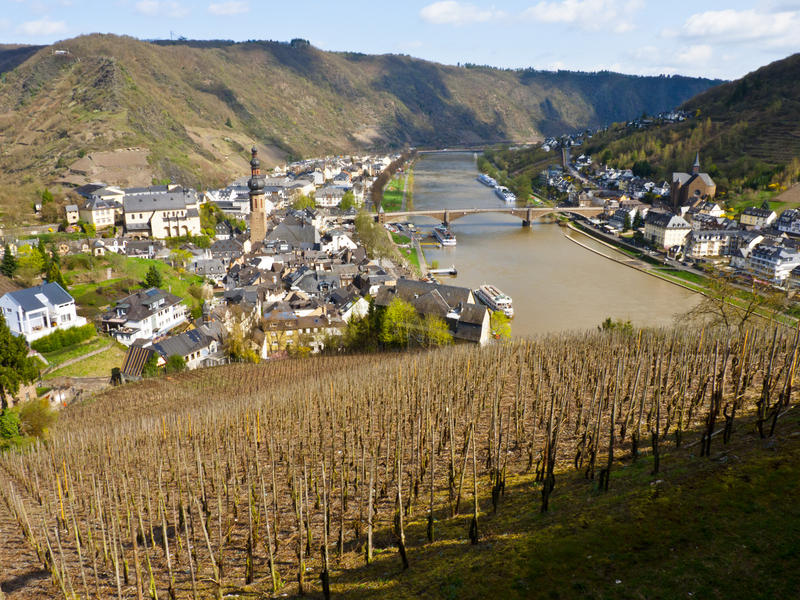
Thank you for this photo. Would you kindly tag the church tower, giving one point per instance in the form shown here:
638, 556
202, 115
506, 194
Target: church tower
696, 165
258, 213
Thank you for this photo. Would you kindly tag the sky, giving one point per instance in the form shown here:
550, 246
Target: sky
645, 37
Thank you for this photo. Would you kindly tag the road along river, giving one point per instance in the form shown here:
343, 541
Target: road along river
556, 284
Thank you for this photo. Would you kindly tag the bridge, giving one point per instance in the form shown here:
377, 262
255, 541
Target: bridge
527, 214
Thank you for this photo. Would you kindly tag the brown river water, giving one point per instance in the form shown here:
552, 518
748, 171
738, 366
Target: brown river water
556, 284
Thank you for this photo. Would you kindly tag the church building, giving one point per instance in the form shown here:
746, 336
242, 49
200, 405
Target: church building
689, 189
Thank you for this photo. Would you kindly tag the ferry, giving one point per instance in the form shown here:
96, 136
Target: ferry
504, 194
486, 180
444, 236
495, 299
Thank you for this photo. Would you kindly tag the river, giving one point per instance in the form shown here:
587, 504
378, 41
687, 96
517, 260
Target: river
556, 284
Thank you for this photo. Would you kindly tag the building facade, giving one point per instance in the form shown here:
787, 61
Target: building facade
665, 230
39, 311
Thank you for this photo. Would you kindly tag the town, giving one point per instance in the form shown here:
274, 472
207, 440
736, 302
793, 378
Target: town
277, 267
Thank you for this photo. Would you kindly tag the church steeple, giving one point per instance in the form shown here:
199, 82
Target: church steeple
258, 214
696, 165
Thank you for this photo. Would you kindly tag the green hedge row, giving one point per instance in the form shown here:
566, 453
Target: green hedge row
64, 337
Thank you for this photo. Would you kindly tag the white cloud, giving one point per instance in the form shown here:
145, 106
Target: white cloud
696, 55
229, 8
616, 15
736, 26
42, 27
450, 12
152, 8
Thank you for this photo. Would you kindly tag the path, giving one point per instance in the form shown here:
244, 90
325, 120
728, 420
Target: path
405, 187
423, 265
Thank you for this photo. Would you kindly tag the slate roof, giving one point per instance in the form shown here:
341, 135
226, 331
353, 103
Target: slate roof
160, 201
183, 344
453, 295
666, 220
142, 304
28, 300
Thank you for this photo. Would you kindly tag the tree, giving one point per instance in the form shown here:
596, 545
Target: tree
175, 364
153, 277
150, 368
16, 367
619, 325
500, 325
638, 221
726, 305
348, 200
302, 202
53, 274
433, 331
36, 417
89, 229
399, 319
9, 265
627, 224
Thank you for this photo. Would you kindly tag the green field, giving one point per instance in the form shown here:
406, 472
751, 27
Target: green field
393, 194
64, 354
99, 365
399, 238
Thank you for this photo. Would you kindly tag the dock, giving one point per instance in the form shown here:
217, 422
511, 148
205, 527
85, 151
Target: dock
451, 270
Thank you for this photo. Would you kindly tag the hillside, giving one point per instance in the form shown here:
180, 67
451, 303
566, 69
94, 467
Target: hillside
570, 466
747, 132
194, 107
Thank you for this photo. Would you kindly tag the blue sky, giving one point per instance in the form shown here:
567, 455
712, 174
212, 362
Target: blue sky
714, 39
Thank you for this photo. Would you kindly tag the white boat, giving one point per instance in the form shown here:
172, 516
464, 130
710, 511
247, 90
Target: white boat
504, 194
444, 236
495, 299
486, 180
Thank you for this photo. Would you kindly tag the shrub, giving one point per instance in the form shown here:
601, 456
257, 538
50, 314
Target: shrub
36, 417
175, 364
64, 337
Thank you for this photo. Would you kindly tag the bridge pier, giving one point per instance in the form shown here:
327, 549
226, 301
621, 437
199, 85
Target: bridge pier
528, 220
446, 218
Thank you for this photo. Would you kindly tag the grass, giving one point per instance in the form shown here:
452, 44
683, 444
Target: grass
724, 527
393, 194
92, 291
410, 255
399, 238
685, 275
737, 204
64, 354
99, 365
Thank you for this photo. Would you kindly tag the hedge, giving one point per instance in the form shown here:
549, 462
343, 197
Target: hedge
64, 337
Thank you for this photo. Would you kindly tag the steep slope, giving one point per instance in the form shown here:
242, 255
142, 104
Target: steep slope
196, 106
747, 132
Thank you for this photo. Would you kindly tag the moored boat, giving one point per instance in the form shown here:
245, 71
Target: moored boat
486, 180
495, 299
444, 236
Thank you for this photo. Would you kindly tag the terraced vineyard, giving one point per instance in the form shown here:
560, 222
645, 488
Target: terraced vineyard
284, 478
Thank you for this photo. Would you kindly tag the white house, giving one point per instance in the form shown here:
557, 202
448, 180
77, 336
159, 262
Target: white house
772, 263
145, 315
39, 311
665, 230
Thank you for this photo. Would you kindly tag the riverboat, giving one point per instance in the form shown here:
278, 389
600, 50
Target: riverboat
486, 180
444, 236
504, 194
495, 299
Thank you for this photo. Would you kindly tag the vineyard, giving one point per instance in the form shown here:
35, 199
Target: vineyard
284, 478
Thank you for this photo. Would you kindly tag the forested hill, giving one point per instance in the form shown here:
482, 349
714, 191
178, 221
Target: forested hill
747, 132
196, 106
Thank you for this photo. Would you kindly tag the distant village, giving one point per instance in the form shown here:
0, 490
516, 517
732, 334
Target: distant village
681, 218
277, 276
